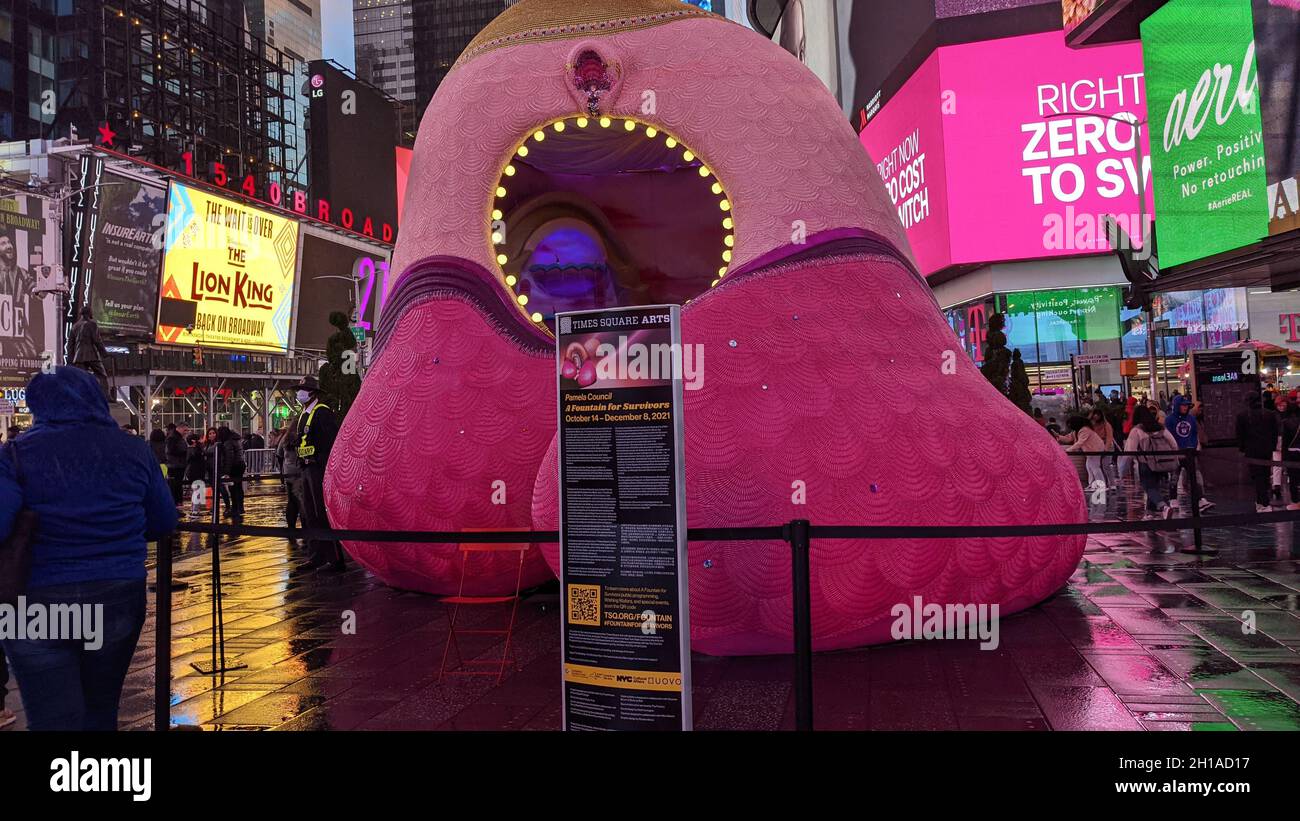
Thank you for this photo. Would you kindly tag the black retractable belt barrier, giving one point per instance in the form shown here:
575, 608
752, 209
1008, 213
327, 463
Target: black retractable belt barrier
798, 533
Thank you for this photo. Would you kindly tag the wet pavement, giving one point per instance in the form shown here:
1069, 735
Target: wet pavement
1145, 636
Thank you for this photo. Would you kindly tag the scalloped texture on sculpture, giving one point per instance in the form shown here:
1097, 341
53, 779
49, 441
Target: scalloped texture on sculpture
836, 380
450, 407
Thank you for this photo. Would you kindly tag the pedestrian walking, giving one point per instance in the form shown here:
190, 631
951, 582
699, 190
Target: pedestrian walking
231, 461
290, 468
1258, 433
1150, 437
1277, 405
1181, 424
1101, 426
253, 441
1124, 467
196, 465
99, 497
314, 435
158, 445
211, 454
1085, 440
1291, 450
177, 453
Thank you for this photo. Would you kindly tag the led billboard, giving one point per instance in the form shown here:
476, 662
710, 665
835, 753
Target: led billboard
335, 274
1206, 131
1027, 146
115, 249
1049, 326
228, 273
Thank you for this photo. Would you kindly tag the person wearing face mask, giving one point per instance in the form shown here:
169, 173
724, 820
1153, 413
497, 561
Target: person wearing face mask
314, 434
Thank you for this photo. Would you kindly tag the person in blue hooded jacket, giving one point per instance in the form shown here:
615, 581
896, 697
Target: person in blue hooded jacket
99, 495
1181, 422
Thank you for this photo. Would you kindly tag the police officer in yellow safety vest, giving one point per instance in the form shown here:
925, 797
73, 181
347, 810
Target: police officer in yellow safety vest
314, 435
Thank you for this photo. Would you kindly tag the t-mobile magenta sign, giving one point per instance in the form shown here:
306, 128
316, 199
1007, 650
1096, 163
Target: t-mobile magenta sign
1015, 149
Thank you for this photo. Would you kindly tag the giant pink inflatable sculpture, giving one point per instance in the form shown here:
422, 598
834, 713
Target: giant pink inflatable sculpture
583, 154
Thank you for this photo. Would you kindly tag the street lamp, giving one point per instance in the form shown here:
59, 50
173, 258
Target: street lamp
1140, 172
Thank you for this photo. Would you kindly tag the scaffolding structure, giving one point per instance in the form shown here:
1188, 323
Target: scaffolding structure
178, 76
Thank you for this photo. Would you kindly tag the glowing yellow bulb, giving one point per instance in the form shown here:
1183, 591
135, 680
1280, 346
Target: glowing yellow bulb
713, 283
730, 241
502, 259
604, 122
728, 223
724, 205
628, 125
539, 135
670, 142
722, 272
651, 131
559, 126
510, 172
501, 191
717, 188
496, 214
688, 156
511, 279
582, 122
498, 237
523, 299
537, 317
523, 151
726, 256
704, 171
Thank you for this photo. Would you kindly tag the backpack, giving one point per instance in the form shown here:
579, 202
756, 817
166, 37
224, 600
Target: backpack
1167, 459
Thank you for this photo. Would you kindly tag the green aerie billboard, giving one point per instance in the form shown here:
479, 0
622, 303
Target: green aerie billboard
1207, 143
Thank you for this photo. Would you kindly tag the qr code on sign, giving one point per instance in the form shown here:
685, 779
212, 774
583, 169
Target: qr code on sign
584, 604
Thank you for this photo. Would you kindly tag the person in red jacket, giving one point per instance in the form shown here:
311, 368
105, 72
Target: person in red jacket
1124, 467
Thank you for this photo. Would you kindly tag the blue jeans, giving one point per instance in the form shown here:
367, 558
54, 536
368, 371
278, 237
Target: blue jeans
64, 686
1153, 483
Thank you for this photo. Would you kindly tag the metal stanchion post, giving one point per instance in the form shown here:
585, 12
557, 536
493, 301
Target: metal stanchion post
1194, 490
800, 576
219, 664
162, 662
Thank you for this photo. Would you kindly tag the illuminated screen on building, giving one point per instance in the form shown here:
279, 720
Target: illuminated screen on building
1050, 326
228, 272
336, 274
116, 253
1197, 320
1014, 149
353, 142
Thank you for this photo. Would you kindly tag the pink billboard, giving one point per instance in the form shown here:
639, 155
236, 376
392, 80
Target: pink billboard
1028, 146
905, 139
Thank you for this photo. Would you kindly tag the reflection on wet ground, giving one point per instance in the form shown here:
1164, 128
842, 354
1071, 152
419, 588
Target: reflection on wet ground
1145, 636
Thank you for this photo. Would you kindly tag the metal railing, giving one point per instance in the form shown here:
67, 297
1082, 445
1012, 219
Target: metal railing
798, 533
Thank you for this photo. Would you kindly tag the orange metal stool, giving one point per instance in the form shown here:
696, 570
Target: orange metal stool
495, 666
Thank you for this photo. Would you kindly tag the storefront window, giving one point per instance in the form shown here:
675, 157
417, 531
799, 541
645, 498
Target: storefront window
1198, 320
970, 323
1051, 326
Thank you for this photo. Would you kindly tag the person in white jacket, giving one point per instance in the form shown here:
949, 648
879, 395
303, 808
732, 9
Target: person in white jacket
1083, 439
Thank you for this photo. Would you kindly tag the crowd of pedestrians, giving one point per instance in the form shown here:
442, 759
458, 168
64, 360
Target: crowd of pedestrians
80, 498
1127, 442
1134, 441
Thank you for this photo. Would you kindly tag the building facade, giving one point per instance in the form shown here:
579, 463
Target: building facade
175, 82
384, 32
